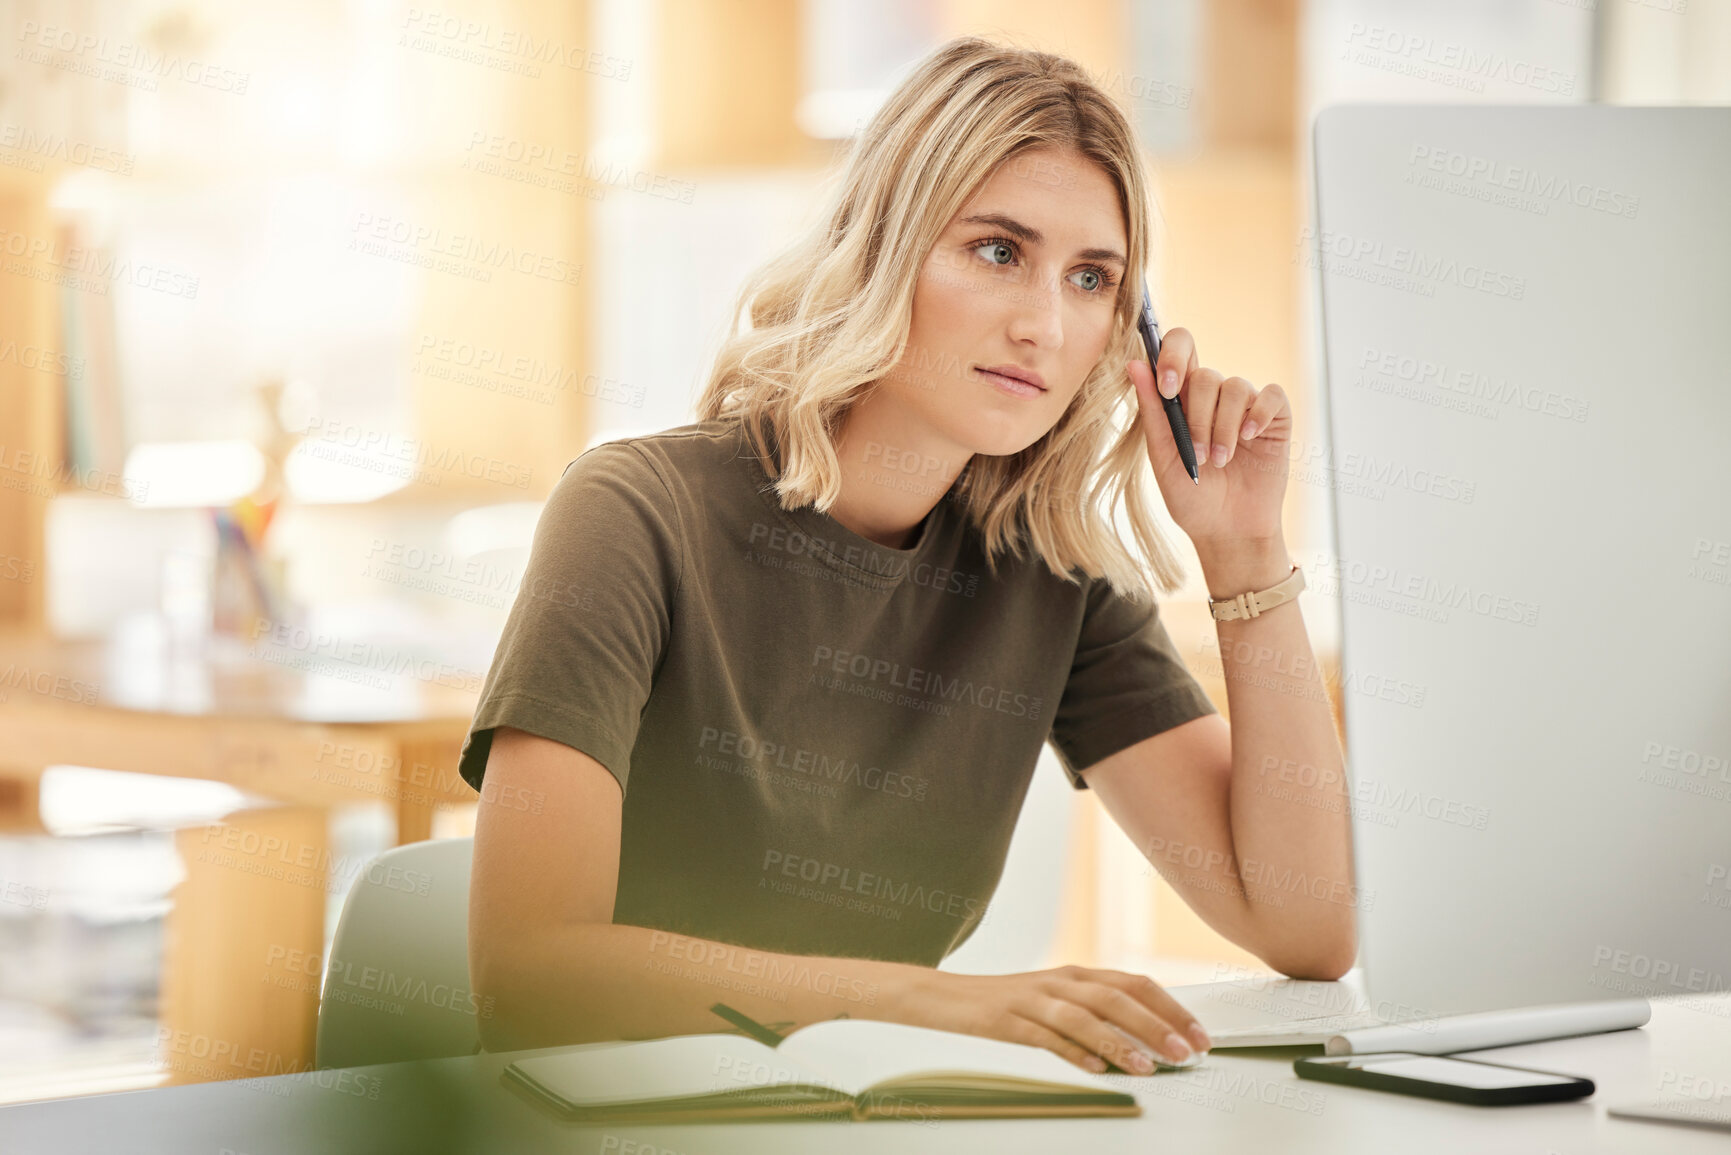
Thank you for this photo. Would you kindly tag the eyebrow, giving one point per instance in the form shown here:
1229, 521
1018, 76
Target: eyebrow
1033, 236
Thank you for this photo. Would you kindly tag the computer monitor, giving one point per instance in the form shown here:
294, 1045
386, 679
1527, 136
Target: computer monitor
1527, 334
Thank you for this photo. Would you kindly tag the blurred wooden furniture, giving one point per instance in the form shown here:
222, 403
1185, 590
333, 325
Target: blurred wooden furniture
30, 405
308, 738
240, 983
247, 715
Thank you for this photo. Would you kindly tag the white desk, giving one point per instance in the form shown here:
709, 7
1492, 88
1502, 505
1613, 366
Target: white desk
1237, 1102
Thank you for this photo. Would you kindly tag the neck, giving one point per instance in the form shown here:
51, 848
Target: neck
894, 471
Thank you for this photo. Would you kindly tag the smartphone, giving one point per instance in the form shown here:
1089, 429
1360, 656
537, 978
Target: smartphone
1445, 1077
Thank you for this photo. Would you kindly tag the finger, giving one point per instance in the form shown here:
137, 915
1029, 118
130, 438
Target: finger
1236, 396
1149, 408
1142, 380
1118, 1007
1151, 414
1270, 405
1032, 1034
1153, 996
1082, 1026
1201, 395
1177, 359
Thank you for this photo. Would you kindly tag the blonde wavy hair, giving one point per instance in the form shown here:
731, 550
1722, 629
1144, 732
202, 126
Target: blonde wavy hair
829, 316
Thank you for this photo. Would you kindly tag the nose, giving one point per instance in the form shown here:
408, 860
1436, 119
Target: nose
1037, 311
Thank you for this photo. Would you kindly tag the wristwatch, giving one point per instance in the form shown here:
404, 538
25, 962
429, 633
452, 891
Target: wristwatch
1250, 605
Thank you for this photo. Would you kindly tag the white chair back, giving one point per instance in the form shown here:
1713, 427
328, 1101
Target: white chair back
397, 983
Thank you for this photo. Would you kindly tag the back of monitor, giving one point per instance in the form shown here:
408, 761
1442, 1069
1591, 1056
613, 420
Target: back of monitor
1527, 319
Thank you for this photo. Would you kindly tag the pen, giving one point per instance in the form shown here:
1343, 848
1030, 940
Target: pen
1174, 410
748, 1024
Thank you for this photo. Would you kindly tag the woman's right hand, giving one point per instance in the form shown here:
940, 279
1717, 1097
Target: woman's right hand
1086, 1016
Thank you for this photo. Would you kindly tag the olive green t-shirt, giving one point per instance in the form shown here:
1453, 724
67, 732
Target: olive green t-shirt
823, 743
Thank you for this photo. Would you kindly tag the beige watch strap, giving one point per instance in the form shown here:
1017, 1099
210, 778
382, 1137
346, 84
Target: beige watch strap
1250, 605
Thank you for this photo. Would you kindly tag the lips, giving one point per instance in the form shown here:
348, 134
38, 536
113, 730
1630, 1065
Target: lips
1027, 376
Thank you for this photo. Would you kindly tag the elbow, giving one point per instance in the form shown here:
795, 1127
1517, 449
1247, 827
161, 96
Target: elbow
1319, 954
504, 1020
518, 1005
494, 1021
492, 1034
1322, 966
500, 994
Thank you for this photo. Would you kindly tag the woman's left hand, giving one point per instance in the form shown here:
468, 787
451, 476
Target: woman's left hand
1242, 436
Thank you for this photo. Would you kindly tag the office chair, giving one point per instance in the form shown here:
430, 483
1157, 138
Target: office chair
397, 984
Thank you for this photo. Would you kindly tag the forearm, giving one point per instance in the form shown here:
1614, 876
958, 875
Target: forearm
1288, 806
577, 983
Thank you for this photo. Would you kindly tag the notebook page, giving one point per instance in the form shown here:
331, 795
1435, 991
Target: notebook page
672, 1068
859, 1053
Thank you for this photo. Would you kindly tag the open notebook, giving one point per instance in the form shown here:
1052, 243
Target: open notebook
845, 1068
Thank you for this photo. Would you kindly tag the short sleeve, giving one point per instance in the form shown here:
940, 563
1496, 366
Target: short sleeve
577, 658
1127, 682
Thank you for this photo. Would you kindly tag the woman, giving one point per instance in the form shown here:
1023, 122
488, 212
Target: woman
768, 703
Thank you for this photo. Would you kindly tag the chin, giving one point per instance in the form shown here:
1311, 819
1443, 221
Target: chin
993, 429
1002, 448
1001, 438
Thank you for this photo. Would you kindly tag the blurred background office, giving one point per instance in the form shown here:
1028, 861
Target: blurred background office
304, 307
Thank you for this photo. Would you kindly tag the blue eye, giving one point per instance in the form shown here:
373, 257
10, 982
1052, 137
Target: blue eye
1103, 278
